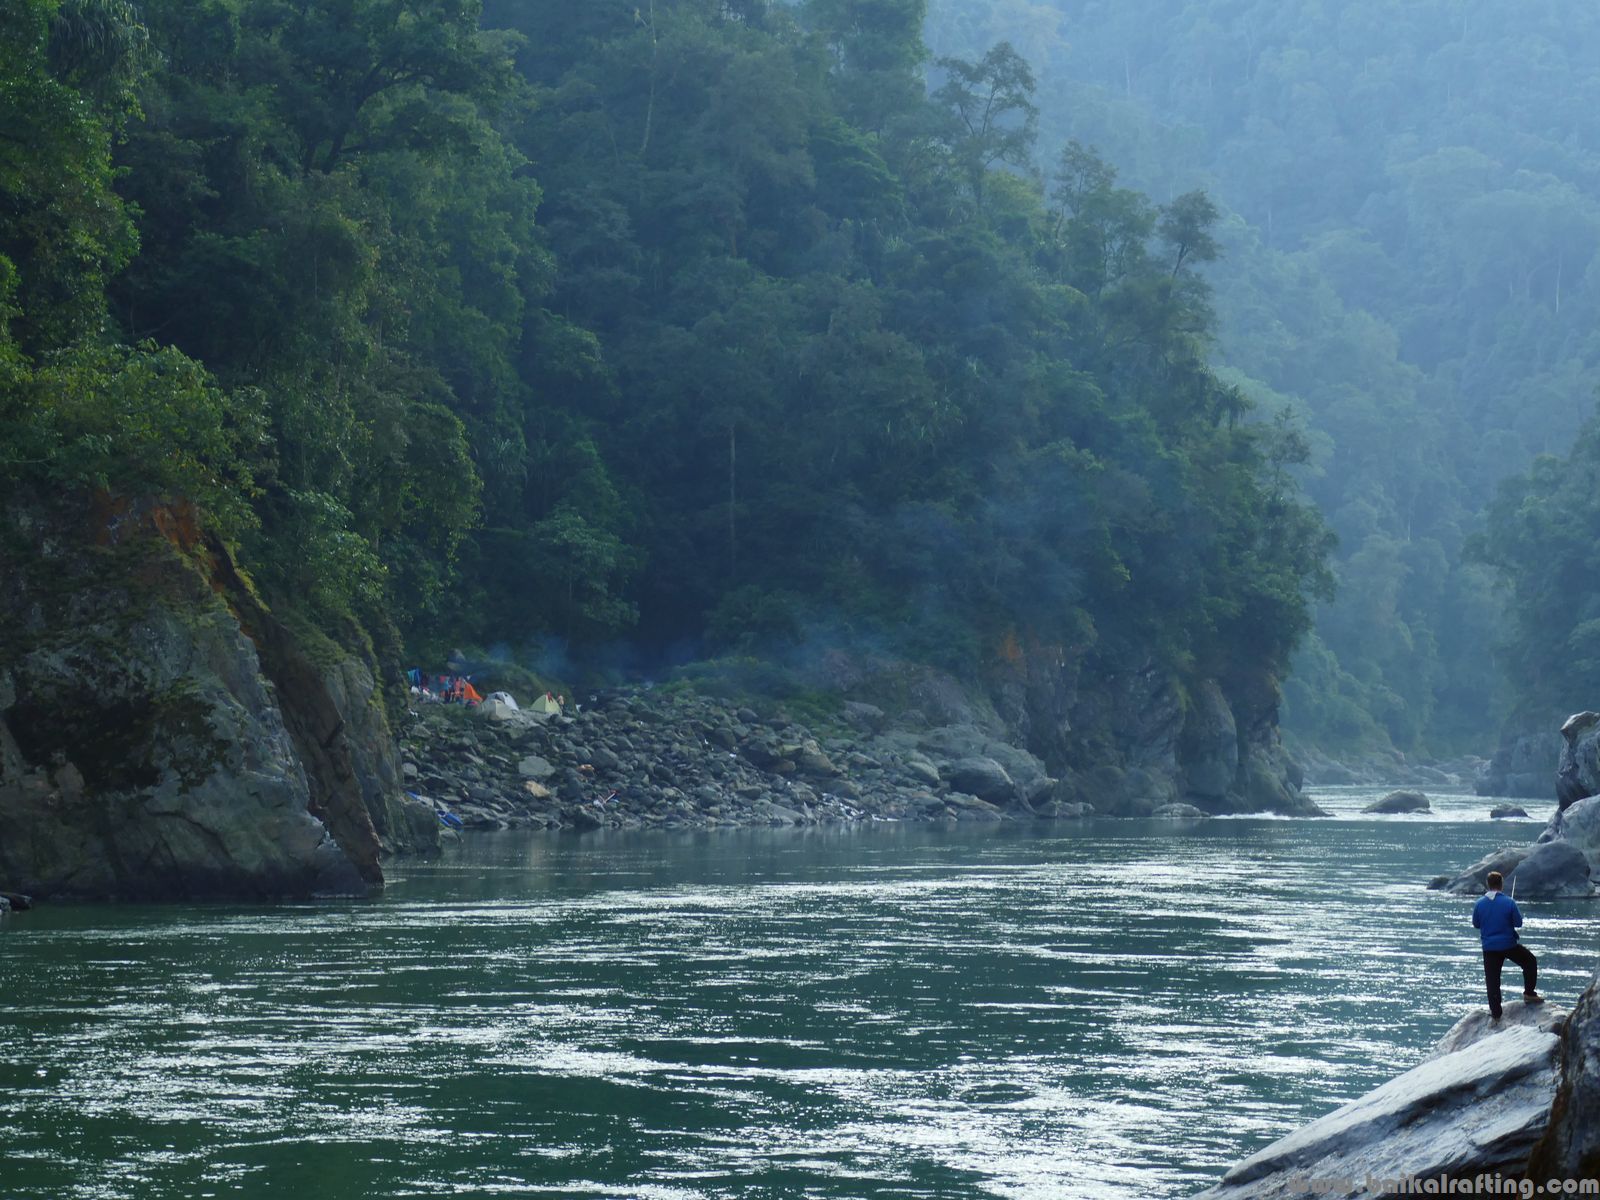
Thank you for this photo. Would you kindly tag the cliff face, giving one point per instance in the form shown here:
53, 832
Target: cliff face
1128, 736
1524, 767
161, 734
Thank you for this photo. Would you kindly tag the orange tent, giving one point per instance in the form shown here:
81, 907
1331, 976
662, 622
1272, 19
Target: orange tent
470, 694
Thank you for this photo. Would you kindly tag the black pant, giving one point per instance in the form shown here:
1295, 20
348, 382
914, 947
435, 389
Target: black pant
1493, 960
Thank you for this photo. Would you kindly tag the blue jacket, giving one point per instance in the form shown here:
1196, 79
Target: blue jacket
1498, 916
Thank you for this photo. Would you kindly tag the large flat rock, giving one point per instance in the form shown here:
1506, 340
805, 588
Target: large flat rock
1480, 1107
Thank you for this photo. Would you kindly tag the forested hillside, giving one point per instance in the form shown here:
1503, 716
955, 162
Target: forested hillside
1411, 232
693, 324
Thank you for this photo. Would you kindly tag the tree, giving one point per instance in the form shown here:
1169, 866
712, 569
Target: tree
993, 119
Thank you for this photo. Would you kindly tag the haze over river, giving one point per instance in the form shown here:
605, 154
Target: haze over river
1101, 1010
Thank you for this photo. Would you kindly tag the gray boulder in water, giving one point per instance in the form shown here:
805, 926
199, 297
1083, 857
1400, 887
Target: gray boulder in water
1481, 1105
1507, 812
1400, 802
1553, 871
1474, 879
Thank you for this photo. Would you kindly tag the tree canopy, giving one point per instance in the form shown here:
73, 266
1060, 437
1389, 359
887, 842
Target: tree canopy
695, 323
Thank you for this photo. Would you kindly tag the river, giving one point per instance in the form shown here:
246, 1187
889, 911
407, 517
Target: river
1106, 1010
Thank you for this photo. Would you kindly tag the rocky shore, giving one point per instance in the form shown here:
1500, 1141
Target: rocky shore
165, 734
663, 759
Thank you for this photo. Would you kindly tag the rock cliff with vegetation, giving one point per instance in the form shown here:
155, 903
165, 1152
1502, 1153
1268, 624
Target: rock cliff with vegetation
162, 735
712, 330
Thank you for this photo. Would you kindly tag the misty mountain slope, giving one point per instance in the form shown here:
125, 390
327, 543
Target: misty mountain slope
1410, 261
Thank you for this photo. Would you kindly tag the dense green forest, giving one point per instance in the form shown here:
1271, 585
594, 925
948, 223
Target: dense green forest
1411, 227
707, 326
697, 328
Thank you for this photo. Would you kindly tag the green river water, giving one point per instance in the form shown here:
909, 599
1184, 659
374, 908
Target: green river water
1106, 1010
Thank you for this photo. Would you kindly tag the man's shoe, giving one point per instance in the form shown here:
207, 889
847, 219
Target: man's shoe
1532, 998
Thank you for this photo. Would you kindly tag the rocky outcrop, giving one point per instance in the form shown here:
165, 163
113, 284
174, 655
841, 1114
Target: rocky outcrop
1552, 871
161, 734
1479, 1104
1555, 870
1524, 767
1578, 768
1128, 737
1565, 860
1473, 880
1209, 744
1571, 1146
1400, 802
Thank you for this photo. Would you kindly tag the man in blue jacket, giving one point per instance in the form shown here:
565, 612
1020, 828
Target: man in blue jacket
1498, 918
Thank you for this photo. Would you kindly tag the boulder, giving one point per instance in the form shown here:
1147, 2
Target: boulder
1553, 871
971, 808
1400, 802
583, 818
1508, 812
811, 761
1474, 879
1481, 1107
535, 767
982, 777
